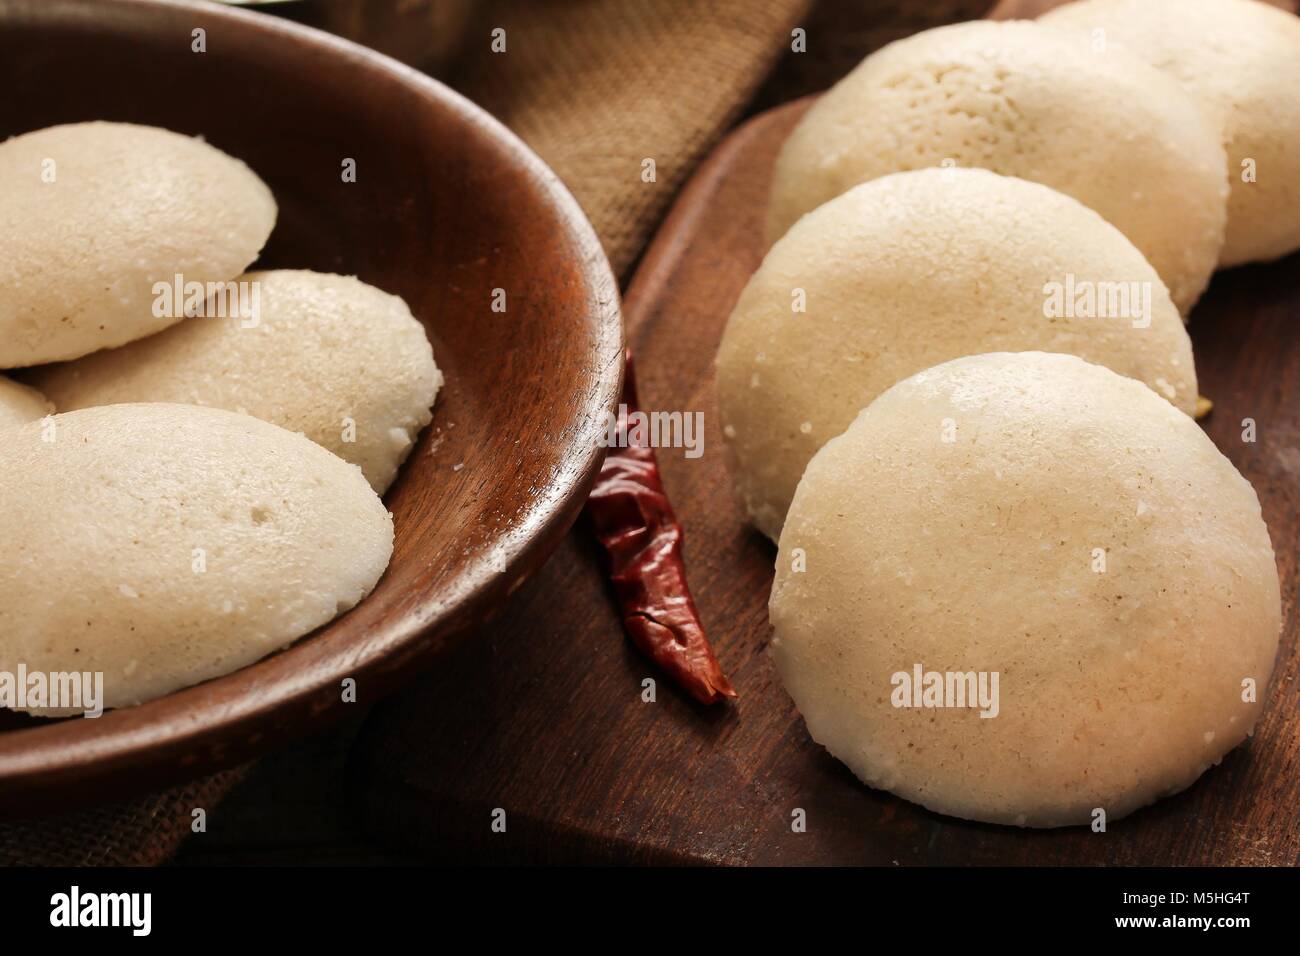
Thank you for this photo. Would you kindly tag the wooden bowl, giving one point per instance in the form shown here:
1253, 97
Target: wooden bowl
447, 207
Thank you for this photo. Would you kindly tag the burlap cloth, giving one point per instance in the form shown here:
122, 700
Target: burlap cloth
596, 87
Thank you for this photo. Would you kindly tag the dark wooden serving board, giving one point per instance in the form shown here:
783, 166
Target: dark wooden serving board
544, 717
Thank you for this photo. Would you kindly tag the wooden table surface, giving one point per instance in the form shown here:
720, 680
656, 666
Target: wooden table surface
543, 716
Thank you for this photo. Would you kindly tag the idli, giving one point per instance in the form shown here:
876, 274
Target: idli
1240, 60
1023, 589
93, 215
164, 545
914, 269
340, 361
20, 404
1029, 101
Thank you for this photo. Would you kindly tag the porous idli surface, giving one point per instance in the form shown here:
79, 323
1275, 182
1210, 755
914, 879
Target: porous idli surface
164, 545
21, 403
1041, 518
910, 270
329, 356
1240, 60
92, 215
1029, 101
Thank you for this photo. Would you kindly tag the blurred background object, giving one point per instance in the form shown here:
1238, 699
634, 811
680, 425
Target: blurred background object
422, 33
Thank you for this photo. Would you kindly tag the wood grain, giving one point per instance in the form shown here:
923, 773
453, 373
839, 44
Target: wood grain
447, 207
543, 716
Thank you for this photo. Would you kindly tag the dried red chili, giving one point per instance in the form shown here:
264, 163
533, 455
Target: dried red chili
639, 531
